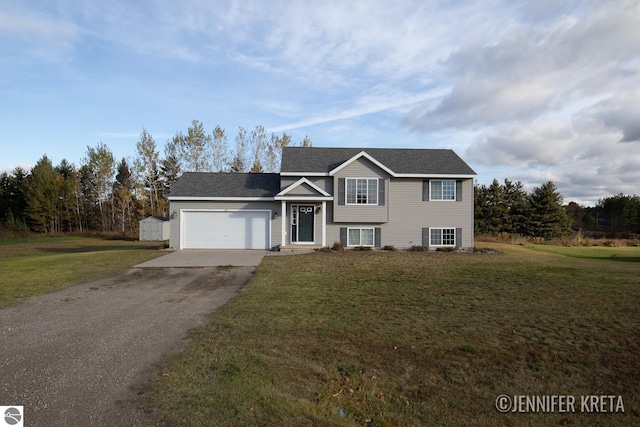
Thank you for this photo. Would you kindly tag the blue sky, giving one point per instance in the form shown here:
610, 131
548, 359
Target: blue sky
530, 91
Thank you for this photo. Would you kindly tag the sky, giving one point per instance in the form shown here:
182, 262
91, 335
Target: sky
529, 91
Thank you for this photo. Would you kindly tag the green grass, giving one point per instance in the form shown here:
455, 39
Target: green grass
622, 253
45, 264
412, 338
37, 240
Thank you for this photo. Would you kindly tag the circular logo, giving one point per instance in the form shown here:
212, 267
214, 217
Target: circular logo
503, 403
12, 416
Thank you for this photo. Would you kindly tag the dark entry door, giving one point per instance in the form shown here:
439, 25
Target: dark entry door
305, 223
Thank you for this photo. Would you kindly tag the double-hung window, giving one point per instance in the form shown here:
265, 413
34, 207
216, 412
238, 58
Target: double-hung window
442, 237
360, 237
362, 191
442, 189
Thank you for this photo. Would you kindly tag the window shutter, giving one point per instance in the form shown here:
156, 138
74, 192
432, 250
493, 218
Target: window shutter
425, 237
381, 192
458, 191
425, 191
341, 191
377, 238
458, 237
343, 236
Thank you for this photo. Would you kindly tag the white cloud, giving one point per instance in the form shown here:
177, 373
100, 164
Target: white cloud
377, 99
530, 70
36, 35
534, 89
620, 112
538, 144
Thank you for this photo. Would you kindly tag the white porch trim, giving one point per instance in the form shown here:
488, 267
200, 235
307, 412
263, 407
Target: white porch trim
324, 223
283, 223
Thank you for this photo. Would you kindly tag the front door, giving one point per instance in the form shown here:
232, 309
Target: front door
302, 217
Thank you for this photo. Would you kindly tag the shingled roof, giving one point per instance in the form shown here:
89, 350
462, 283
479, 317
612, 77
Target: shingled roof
400, 161
207, 184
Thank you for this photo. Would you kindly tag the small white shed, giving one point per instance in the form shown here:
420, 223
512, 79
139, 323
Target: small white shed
154, 228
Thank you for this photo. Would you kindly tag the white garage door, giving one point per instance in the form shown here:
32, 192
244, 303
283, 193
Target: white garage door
225, 230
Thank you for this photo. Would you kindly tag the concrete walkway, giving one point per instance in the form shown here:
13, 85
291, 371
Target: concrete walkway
207, 258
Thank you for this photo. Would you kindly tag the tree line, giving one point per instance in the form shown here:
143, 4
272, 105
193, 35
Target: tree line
103, 194
508, 208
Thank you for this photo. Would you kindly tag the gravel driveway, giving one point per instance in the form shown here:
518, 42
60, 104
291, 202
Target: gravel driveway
82, 355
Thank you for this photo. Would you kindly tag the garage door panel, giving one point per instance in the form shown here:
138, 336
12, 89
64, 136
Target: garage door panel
225, 230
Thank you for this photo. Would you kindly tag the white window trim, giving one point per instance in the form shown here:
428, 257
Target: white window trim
373, 231
431, 199
441, 229
346, 192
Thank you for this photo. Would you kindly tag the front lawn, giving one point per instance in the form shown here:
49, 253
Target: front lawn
618, 253
398, 339
45, 264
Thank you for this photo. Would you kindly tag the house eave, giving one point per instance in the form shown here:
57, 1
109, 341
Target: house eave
304, 174
305, 198
393, 175
221, 199
434, 175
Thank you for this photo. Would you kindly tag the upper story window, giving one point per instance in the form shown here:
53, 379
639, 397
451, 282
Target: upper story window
442, 189
362, 191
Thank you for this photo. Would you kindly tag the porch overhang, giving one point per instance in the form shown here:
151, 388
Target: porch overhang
304, 199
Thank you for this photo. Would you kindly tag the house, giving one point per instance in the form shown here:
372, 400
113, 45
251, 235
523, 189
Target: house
154, 228
359, 197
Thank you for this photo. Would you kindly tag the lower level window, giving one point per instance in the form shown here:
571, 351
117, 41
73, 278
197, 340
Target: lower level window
360, 237
443, 237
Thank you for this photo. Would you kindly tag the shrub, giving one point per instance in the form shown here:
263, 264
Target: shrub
447, 249
418, 248
484, 251
389, 248
362, 248
337, 246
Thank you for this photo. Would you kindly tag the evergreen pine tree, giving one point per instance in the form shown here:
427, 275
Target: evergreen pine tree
547, 217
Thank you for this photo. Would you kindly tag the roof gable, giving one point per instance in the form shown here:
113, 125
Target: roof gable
399, 162
303, 182
357, 157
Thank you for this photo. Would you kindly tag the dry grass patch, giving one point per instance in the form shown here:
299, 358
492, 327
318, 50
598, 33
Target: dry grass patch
412, 338
45, 264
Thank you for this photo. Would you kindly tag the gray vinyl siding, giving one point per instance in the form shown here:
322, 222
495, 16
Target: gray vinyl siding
409, 215
303, 190
178, 206
361, 168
